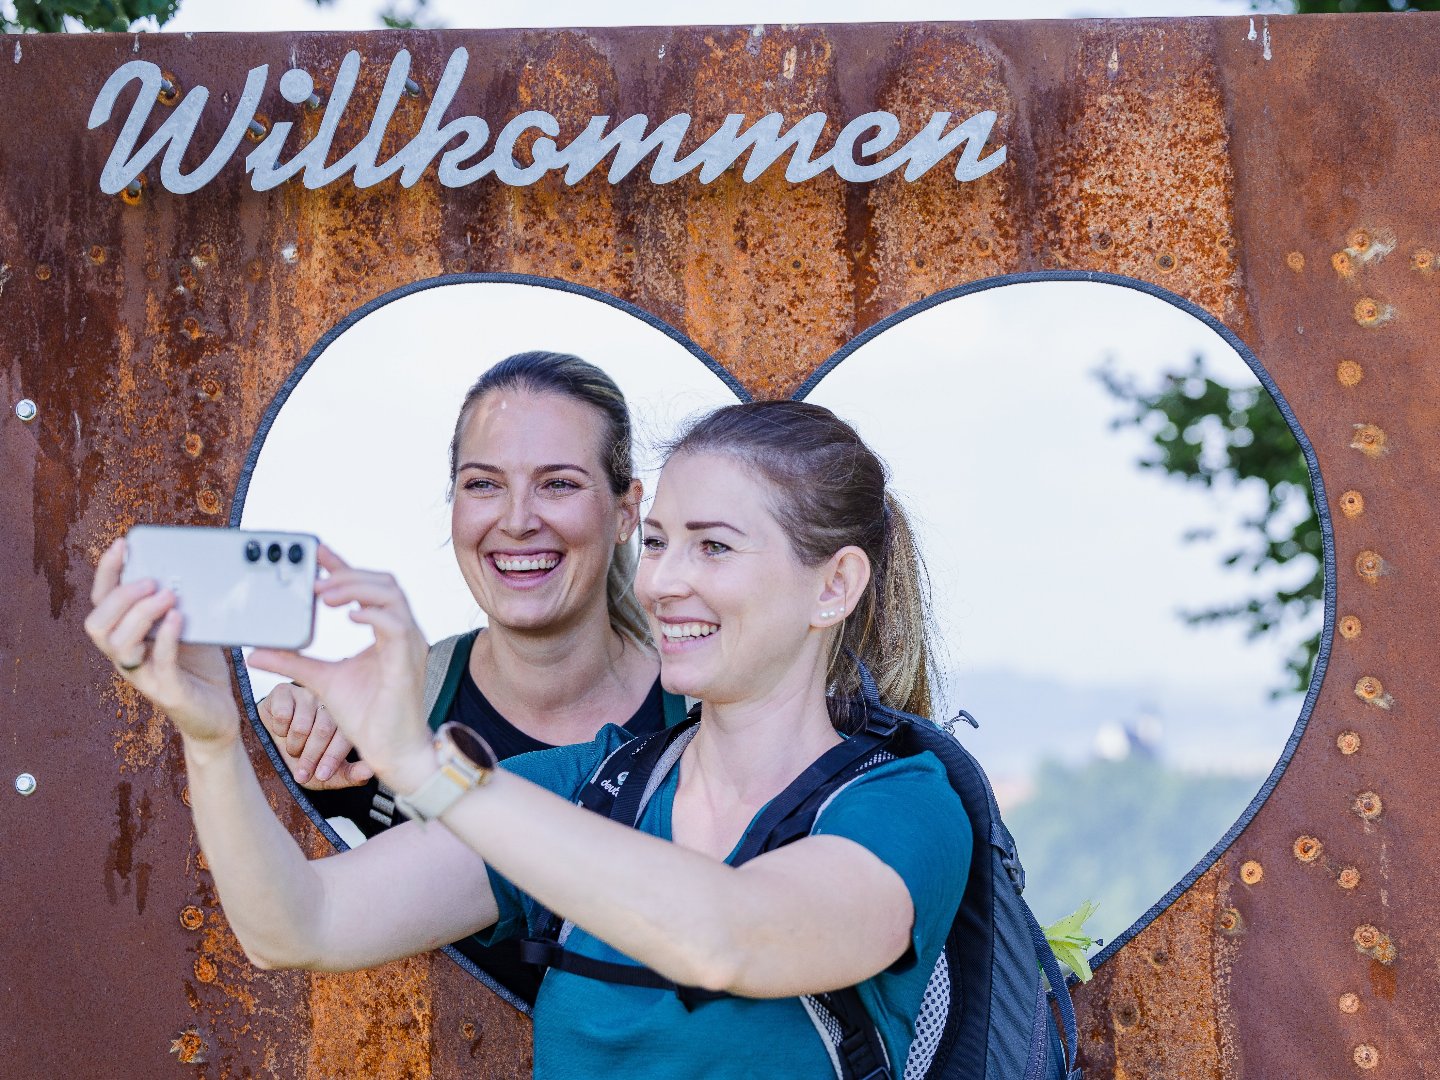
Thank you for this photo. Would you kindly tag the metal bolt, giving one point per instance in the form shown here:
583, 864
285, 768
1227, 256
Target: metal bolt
25, 784
26, 410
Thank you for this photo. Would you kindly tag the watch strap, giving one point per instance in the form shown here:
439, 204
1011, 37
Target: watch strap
457, 774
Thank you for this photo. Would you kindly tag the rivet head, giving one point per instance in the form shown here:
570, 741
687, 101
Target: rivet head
1368, 805
26, 410
1252, 872
1371, 691
1368, 687
189, 1048
1348, 878
1350, 627
1349, 373
192, 918
1352, 504
1422, 260
26, 784
1366, 1056
1296, 261
1349, 1003
1229, 921
1368, 311
1369, 440
1307, 849
1348, 742
1369, 565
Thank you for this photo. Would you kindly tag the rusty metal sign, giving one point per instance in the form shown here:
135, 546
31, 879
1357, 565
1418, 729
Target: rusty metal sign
150, 318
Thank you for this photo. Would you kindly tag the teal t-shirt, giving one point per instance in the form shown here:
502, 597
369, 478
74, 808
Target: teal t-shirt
903, 811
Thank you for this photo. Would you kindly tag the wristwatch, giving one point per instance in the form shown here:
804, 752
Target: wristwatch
466, 761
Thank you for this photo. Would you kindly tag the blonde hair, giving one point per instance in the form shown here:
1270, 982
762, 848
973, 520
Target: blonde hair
831, 493
569, 376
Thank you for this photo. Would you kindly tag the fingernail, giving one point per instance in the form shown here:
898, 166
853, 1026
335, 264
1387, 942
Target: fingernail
302, 775
323, 772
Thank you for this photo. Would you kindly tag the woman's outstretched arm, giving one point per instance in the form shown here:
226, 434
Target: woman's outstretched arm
285, 910
821, 913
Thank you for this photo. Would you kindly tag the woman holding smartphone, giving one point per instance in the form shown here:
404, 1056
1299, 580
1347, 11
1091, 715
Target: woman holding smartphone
774, 564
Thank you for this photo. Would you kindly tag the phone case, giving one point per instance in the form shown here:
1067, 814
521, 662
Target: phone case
235, 586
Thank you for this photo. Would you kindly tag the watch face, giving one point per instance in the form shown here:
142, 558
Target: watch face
472, 746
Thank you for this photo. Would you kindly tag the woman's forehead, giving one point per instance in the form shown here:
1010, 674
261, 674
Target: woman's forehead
693, 481
521, 425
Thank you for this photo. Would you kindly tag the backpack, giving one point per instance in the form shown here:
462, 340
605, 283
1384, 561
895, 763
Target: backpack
986, 1011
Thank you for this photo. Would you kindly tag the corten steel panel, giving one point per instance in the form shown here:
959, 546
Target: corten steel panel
1230, 167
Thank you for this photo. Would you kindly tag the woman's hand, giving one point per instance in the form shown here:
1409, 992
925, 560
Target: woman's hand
308, 740
375, 697
189, 683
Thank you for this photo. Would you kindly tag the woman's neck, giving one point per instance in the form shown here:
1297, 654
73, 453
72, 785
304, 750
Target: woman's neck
563, 687
751, 750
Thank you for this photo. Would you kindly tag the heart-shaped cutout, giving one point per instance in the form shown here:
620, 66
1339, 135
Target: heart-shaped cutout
1057, 564
1126, 745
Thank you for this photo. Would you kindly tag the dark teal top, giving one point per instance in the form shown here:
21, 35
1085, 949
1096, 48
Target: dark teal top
904, 811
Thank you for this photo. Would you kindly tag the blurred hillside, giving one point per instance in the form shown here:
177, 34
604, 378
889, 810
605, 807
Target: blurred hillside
1113, 793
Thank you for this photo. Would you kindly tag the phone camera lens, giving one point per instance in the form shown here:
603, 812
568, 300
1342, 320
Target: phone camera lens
252, 551
273, 553
296, 553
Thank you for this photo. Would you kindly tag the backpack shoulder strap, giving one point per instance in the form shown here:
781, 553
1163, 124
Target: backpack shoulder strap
620, 788
444, 667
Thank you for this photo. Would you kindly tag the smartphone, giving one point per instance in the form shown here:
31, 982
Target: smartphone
235, 586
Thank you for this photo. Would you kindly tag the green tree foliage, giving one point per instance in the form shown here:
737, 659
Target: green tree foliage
1119, 833
1211, 434
54, 16
411, 16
